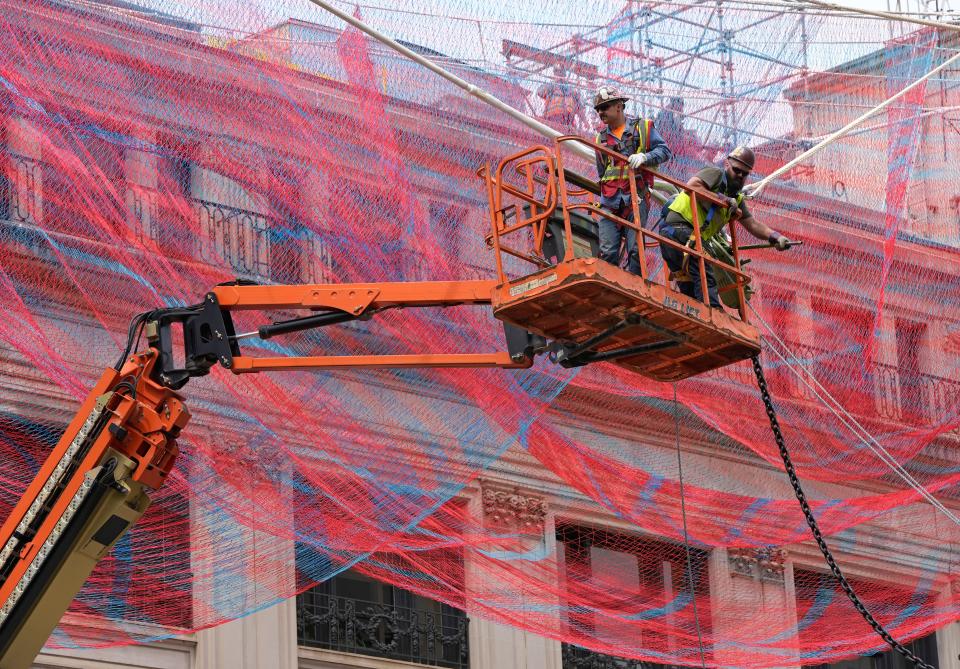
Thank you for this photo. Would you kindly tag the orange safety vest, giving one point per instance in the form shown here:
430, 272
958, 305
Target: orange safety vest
558, 99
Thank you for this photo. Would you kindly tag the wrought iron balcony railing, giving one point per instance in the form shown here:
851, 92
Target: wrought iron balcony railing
354, 626
237, 236
897, 396
575, 657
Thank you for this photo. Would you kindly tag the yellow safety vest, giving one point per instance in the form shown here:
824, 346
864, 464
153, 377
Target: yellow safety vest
711, 221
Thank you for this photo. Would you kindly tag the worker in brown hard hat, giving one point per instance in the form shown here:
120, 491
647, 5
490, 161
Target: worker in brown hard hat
641, 146
677, 219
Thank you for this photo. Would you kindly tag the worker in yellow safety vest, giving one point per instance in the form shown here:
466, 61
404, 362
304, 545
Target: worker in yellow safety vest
641, 146
676, 220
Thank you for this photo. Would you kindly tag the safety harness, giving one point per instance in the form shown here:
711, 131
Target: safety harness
618, 170
713, 220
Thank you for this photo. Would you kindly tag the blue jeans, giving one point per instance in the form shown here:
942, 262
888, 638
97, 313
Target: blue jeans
611, 234
680, 233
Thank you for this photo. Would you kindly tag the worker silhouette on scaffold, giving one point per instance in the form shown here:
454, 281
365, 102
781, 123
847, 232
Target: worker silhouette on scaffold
562, 108
641, 145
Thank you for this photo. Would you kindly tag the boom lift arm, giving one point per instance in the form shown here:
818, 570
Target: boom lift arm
121, 445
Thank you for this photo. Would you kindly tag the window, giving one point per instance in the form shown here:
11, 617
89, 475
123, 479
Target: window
640, 573
819, 600
158, 197
925, 648
842, 333
374, 223
354, 613
20, 183
914, 398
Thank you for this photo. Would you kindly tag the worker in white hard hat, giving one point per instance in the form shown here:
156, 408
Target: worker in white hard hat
641, 146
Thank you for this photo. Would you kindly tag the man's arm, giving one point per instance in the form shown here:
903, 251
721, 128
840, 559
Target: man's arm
756, 228
601, 160
753, 226
764, 232
659, 152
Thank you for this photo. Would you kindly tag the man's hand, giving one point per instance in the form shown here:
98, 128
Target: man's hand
637, 160
778, 241
733, 208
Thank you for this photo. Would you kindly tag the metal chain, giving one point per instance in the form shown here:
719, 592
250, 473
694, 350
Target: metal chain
815, 528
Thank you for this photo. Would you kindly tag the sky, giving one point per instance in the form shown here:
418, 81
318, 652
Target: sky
765, 57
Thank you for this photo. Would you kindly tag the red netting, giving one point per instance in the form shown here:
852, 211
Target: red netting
149, 155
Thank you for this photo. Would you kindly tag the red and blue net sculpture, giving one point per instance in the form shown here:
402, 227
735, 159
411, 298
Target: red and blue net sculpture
147, 154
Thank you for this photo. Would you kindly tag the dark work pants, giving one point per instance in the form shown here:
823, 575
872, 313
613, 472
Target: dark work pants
611, 233
674, 259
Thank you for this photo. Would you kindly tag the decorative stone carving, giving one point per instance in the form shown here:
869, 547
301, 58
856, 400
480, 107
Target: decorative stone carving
510, 508
575, 657
766, 563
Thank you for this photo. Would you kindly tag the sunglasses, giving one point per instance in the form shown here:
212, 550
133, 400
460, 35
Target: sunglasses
739, 172
604, 107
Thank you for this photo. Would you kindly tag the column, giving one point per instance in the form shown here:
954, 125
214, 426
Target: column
750, 584
494, 645
242, 568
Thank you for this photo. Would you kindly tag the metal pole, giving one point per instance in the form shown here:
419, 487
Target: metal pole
883, 15
754, 189
476, 92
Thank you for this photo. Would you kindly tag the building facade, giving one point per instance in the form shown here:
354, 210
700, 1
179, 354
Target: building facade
353, 621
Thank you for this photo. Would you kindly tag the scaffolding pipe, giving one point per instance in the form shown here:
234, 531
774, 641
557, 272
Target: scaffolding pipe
753, 190
893, 16
475, 91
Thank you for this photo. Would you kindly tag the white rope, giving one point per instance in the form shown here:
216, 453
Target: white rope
849, 421
754, 190
686, 534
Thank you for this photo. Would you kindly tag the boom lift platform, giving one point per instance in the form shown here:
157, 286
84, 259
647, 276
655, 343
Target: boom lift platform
593, 310
121, 445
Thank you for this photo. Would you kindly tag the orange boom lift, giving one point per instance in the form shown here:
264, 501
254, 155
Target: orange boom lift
122, 443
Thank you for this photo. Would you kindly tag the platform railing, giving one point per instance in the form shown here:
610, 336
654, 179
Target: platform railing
526, 163
547, 184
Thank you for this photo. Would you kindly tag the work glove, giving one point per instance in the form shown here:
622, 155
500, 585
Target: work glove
637, 160
778, 241
733, 208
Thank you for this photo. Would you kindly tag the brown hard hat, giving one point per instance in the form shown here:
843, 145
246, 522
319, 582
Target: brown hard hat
607, 94
743, 155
